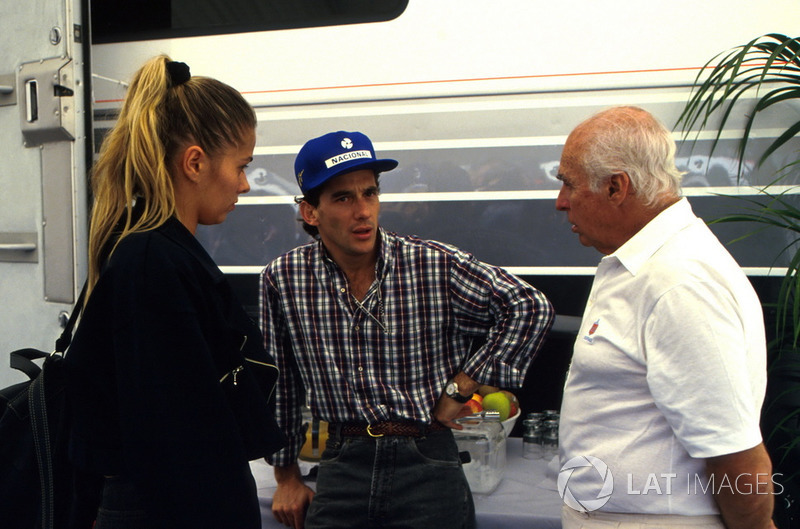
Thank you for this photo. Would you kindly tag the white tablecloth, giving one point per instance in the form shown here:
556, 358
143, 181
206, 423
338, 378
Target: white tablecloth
525, 498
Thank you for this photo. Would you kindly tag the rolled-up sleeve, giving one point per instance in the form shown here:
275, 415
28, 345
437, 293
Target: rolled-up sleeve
518, 318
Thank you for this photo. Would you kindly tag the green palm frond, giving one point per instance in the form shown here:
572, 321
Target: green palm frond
775, 210
771, 60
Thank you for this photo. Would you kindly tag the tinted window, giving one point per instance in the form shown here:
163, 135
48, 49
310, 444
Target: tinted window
156, 19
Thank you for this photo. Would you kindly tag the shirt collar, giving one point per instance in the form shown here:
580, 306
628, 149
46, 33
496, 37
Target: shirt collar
385, 254
382, 265
647, 241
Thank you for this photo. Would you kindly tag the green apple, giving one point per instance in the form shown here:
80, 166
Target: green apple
499, 402
513, 400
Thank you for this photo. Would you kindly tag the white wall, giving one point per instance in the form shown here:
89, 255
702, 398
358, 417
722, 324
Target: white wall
435, 45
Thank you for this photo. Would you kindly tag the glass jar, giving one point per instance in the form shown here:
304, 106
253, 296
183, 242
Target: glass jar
536, 415
532, 439
551, 415
550, 439
485, 441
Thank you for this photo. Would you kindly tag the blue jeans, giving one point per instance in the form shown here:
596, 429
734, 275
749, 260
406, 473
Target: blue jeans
121, 506
392, 482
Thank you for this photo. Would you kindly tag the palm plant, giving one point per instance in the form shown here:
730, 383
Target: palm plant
767, 67
771, 61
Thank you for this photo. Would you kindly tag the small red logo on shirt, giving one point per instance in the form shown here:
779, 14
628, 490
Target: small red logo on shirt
589, 336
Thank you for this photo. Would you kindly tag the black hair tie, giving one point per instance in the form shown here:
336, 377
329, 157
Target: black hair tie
178, 72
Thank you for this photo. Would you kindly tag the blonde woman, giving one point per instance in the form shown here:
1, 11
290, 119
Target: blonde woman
167, 409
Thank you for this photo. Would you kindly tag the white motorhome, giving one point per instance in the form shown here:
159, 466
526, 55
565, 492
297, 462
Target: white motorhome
474, 99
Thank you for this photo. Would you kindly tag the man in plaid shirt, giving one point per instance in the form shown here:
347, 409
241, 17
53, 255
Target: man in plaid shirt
385, 338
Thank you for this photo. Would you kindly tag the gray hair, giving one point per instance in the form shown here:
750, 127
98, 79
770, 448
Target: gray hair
633, 141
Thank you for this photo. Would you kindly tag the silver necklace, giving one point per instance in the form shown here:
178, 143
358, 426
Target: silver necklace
380, 319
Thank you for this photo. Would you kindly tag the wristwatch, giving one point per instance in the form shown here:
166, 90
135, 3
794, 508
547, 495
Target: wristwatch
451, 390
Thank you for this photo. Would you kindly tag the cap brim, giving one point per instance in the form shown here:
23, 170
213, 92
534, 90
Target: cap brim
379, 166
384, 165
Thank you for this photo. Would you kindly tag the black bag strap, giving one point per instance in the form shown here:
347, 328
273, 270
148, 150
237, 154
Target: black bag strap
37, 405
23, 359
65, 339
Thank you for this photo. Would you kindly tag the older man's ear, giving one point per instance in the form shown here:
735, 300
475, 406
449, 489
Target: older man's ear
618, 187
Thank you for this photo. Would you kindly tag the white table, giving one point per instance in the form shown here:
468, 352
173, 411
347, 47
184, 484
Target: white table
526, 498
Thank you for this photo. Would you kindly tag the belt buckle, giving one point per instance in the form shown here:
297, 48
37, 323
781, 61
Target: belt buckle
369, 431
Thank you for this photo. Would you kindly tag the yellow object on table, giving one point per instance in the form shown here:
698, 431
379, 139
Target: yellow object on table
316, 437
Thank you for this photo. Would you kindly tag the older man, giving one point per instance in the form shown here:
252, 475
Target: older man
668, 375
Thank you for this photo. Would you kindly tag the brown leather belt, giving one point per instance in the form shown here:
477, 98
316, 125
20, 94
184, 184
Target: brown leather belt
389, 428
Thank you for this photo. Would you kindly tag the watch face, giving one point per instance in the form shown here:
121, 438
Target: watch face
451, 390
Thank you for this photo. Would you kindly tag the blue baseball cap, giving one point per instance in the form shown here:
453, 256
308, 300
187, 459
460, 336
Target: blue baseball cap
334, 154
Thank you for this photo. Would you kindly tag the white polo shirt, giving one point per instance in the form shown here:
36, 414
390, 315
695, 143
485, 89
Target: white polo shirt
669, 368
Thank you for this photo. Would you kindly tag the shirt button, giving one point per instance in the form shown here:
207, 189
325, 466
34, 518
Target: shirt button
360, 369
342, 290
357, 327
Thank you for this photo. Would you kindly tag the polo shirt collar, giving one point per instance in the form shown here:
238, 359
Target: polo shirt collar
647, 241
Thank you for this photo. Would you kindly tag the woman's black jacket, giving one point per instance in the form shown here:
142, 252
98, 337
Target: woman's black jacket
151, 374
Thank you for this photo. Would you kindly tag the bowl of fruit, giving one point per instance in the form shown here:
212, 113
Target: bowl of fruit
500, 400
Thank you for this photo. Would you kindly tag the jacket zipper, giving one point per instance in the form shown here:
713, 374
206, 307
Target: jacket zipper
235, 371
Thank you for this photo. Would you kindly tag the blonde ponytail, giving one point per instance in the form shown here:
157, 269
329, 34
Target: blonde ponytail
158, 118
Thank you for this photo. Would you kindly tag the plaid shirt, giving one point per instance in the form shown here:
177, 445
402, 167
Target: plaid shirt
432, 311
